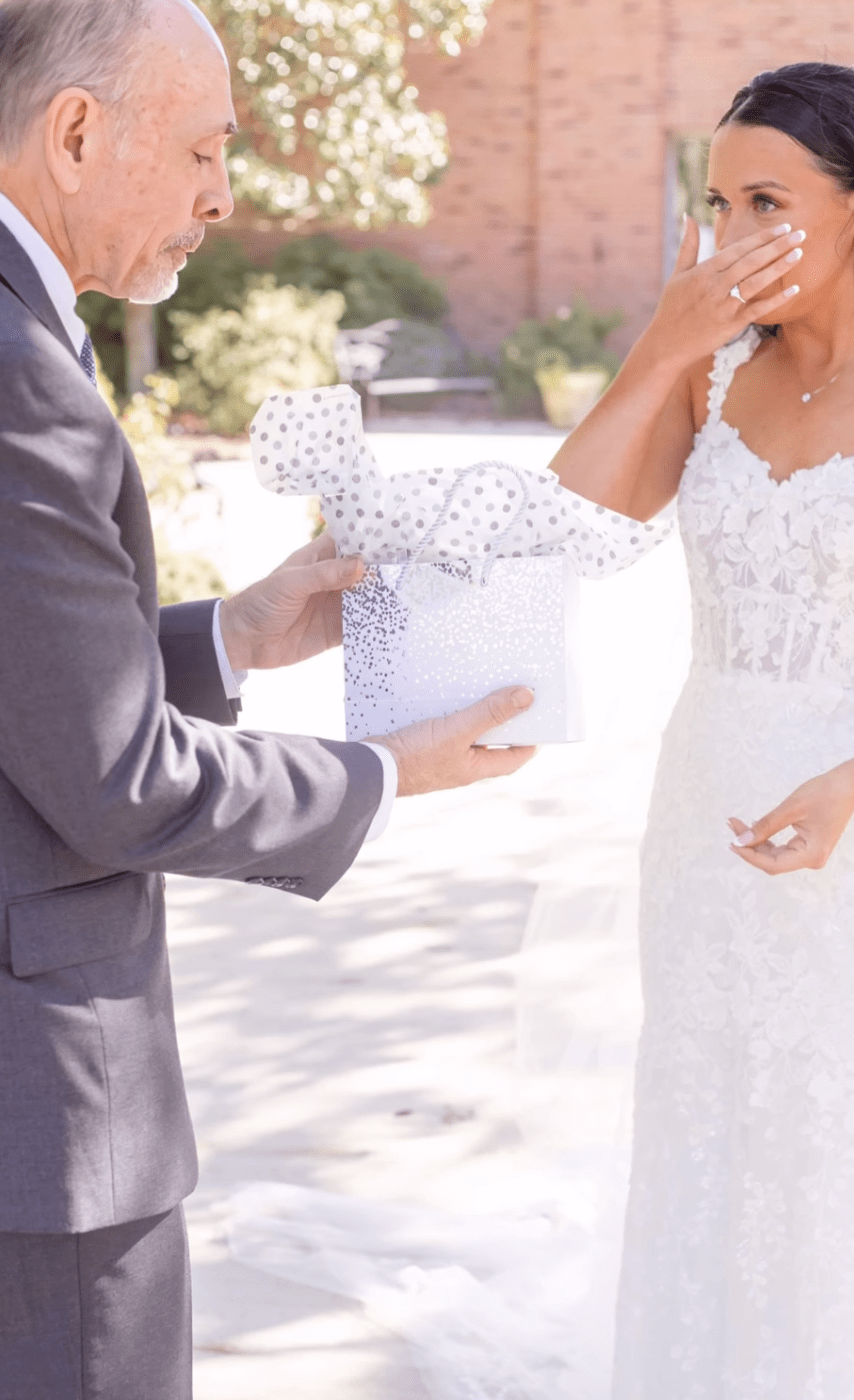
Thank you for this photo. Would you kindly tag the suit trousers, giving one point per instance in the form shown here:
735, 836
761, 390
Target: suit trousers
100, 1316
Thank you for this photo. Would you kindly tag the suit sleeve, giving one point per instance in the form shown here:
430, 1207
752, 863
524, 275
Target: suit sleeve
88, 734
192, 674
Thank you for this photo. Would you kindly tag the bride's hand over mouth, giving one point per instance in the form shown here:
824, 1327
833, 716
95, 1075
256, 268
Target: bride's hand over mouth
629, 452
819, 810
698, 311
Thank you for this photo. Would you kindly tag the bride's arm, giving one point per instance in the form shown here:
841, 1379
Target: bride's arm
629, 452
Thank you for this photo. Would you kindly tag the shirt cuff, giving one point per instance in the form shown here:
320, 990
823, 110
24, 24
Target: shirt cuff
382, 816
231, 680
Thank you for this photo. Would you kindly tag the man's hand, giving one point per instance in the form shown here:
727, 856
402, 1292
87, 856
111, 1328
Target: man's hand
292, 614
442, 753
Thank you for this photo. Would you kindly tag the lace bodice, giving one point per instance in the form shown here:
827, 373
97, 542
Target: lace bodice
771, 563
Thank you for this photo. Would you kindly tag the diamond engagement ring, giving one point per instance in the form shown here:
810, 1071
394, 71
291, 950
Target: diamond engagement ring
734, 292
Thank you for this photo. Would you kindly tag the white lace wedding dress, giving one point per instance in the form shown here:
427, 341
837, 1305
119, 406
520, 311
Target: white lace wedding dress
738, 1263
738, 1272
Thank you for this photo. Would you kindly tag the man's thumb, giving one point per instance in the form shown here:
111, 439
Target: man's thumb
690, 246
498, 708
334, 575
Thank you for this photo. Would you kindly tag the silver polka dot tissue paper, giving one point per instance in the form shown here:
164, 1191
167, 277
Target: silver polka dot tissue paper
474, 576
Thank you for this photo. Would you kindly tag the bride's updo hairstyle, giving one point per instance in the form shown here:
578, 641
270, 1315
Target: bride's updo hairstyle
811, 102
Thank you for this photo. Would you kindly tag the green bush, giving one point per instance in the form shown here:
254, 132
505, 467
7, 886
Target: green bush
185, 577
576, 338
182, 575
218, 275
417, 351
376, 285
284, 338
221, 274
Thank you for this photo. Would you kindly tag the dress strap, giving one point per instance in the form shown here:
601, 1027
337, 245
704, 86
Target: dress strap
727, 360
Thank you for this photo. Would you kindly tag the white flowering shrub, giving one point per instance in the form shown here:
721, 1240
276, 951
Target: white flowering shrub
331, 128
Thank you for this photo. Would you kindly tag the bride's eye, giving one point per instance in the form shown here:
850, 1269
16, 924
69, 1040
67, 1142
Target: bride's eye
763, 205
716, 202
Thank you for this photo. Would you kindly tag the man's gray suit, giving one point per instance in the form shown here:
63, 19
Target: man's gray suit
114, 768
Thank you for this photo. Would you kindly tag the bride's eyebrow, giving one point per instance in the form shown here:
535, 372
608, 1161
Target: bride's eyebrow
752, 188
765, 185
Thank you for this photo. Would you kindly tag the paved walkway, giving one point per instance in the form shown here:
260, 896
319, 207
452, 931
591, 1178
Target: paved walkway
366, 1045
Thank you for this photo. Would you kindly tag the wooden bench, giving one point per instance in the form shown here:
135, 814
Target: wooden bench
360, 354
379, 389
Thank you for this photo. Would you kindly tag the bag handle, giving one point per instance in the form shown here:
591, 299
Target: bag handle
441, 519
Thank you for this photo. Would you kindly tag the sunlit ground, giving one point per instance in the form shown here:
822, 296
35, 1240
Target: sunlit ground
365, 1045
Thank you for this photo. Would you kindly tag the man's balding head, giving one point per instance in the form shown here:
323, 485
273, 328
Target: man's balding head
113, 119
100, 45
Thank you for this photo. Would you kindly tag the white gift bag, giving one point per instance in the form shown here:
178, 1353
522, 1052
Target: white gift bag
472, 575
443, 639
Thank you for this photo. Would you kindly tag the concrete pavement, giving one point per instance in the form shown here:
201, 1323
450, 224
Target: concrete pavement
366, 1045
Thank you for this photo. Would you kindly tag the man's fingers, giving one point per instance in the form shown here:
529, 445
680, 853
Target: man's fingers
494, 710
327, 576
501, 763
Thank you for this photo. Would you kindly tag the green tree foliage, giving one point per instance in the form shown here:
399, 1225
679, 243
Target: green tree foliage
376, 285
332, 129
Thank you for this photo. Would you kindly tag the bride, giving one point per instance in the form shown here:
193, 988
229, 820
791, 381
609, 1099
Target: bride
738, 1263
738, 1267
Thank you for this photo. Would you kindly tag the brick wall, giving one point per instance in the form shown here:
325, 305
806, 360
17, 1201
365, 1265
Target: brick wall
560, 125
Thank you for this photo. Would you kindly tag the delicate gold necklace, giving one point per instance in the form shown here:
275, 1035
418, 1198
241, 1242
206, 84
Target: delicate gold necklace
805, 398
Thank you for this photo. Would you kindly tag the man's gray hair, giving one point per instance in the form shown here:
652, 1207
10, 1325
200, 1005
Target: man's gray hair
49, 45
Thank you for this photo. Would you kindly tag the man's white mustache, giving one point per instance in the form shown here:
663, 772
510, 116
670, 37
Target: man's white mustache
187, 242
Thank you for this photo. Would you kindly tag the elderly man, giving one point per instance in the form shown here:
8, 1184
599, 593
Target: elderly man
114, 762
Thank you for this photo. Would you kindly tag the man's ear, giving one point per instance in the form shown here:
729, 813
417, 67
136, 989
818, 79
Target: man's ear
72, 132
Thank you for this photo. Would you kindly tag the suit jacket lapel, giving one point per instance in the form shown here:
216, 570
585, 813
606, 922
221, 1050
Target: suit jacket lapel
20, 276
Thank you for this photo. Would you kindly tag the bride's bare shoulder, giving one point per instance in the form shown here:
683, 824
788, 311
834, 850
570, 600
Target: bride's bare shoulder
698, 389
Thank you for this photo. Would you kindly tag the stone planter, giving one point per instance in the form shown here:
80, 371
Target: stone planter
568, 394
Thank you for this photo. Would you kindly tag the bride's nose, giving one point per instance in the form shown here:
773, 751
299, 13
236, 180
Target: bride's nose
734, 226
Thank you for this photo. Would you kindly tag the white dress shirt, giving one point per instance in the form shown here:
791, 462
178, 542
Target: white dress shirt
60, 289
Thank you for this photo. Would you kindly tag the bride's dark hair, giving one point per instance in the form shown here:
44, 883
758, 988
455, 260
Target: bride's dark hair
811, 102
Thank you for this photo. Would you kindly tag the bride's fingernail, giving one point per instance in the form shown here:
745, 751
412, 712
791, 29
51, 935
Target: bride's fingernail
783, 228
791, 291
746, 838
795, 255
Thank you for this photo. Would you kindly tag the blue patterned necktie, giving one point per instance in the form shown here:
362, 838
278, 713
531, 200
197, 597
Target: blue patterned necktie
87, 360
